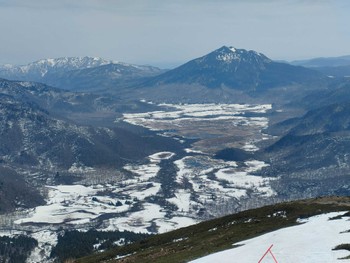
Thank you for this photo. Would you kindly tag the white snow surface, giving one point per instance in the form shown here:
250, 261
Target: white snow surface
46, 239
71, 204
182, 200
309, 242
78, 168
197, 170
150, 170
139, 221
198, 112
232, 49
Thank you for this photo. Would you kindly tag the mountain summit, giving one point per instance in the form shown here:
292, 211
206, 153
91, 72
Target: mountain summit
235, 57
237, 69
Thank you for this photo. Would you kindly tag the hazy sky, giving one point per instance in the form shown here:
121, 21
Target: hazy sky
170, 32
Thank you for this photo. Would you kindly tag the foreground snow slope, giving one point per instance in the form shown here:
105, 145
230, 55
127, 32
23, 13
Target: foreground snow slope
310, 242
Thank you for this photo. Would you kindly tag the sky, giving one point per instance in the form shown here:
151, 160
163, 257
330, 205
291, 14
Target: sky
167, 33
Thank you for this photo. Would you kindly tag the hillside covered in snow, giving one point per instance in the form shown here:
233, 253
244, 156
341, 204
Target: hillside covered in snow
314, 240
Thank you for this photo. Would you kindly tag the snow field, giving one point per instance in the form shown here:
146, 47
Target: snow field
176, 114
73, 204
181, 200
197, 170
147, 171
77, 168
139, 221
241, 178
309, 242
46, 239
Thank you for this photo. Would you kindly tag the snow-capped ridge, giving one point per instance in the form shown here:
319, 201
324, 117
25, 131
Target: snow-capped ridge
51, 68
42, 67
229, 54
68, 62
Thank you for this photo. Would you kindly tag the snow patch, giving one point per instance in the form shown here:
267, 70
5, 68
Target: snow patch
79, 168
232, 49
71, 204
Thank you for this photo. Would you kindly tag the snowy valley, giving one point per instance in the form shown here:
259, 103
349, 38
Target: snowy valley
168, 190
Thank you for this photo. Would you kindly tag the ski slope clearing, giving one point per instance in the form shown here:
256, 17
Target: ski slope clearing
313, 241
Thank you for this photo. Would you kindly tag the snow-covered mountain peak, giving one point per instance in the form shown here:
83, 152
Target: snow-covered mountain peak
232, 49
229, 54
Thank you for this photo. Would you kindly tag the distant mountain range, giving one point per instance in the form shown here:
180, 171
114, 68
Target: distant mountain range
332, 66
78, 73
42, 69
102, 78
226, 67
323, 62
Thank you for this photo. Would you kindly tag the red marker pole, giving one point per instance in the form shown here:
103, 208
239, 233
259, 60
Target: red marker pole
273, 256
268, 251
